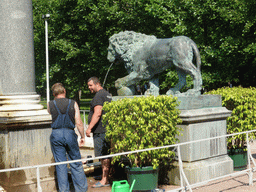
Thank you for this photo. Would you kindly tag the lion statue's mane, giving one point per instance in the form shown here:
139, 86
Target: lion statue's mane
128, 42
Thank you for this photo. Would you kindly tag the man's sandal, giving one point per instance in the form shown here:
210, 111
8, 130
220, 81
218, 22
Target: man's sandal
98, 185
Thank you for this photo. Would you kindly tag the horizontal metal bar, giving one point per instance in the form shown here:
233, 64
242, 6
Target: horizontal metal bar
124, 153
87, 110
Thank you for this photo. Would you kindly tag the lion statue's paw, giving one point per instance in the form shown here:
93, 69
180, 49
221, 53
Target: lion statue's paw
172, 92
190, 92
149, 92
118, 84
126, 91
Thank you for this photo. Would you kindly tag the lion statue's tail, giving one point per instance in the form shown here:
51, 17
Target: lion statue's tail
197, 55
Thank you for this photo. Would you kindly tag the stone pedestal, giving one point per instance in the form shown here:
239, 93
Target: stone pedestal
24, 141
202, 170
203, 117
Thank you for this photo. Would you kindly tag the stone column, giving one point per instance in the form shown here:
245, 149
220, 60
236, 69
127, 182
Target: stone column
17, 74
24, 124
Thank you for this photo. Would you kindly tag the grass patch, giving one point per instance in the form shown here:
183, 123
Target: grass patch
44, 103
85, 104
84, 117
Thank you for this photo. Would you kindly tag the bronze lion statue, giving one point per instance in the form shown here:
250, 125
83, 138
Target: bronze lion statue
145, 56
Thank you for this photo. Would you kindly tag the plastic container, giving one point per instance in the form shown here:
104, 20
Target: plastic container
146, 178
122, 186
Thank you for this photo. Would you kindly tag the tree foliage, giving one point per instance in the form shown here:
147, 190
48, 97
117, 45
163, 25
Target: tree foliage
79, 31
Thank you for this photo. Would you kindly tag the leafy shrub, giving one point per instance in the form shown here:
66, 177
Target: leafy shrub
242, 102
140, 123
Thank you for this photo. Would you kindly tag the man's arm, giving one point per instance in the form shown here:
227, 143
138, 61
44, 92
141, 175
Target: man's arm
95, 118
79, 124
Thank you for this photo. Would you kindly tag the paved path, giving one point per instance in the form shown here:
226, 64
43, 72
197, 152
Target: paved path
232, 184
227, 184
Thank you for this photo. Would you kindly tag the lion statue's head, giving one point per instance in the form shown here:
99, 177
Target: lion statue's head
124, 44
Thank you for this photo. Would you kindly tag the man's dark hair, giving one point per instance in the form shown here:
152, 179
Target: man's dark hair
94, 79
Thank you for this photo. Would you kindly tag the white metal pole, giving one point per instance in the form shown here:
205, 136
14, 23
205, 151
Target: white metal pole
182, 174
47, 61
180, 165
250, 174
39, 188
84, 118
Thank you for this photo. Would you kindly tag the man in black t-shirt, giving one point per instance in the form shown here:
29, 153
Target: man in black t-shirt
101, 146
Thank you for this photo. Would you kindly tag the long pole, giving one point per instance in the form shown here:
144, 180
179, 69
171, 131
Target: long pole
45, 17
47, 61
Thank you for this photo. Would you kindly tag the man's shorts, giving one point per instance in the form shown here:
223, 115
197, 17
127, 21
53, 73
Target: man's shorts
101, 145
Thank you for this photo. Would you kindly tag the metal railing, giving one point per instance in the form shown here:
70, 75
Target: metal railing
249, 170
183, 179
84, 111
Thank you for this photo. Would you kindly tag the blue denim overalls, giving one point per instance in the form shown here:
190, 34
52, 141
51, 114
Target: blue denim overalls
64, 144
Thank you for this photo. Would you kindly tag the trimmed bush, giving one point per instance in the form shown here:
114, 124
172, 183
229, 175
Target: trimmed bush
242, 102
141, 123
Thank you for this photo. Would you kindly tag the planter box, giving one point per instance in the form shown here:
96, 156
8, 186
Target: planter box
239, 157
146, 178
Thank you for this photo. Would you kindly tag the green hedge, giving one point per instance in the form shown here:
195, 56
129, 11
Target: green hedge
142, 122
242, 102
